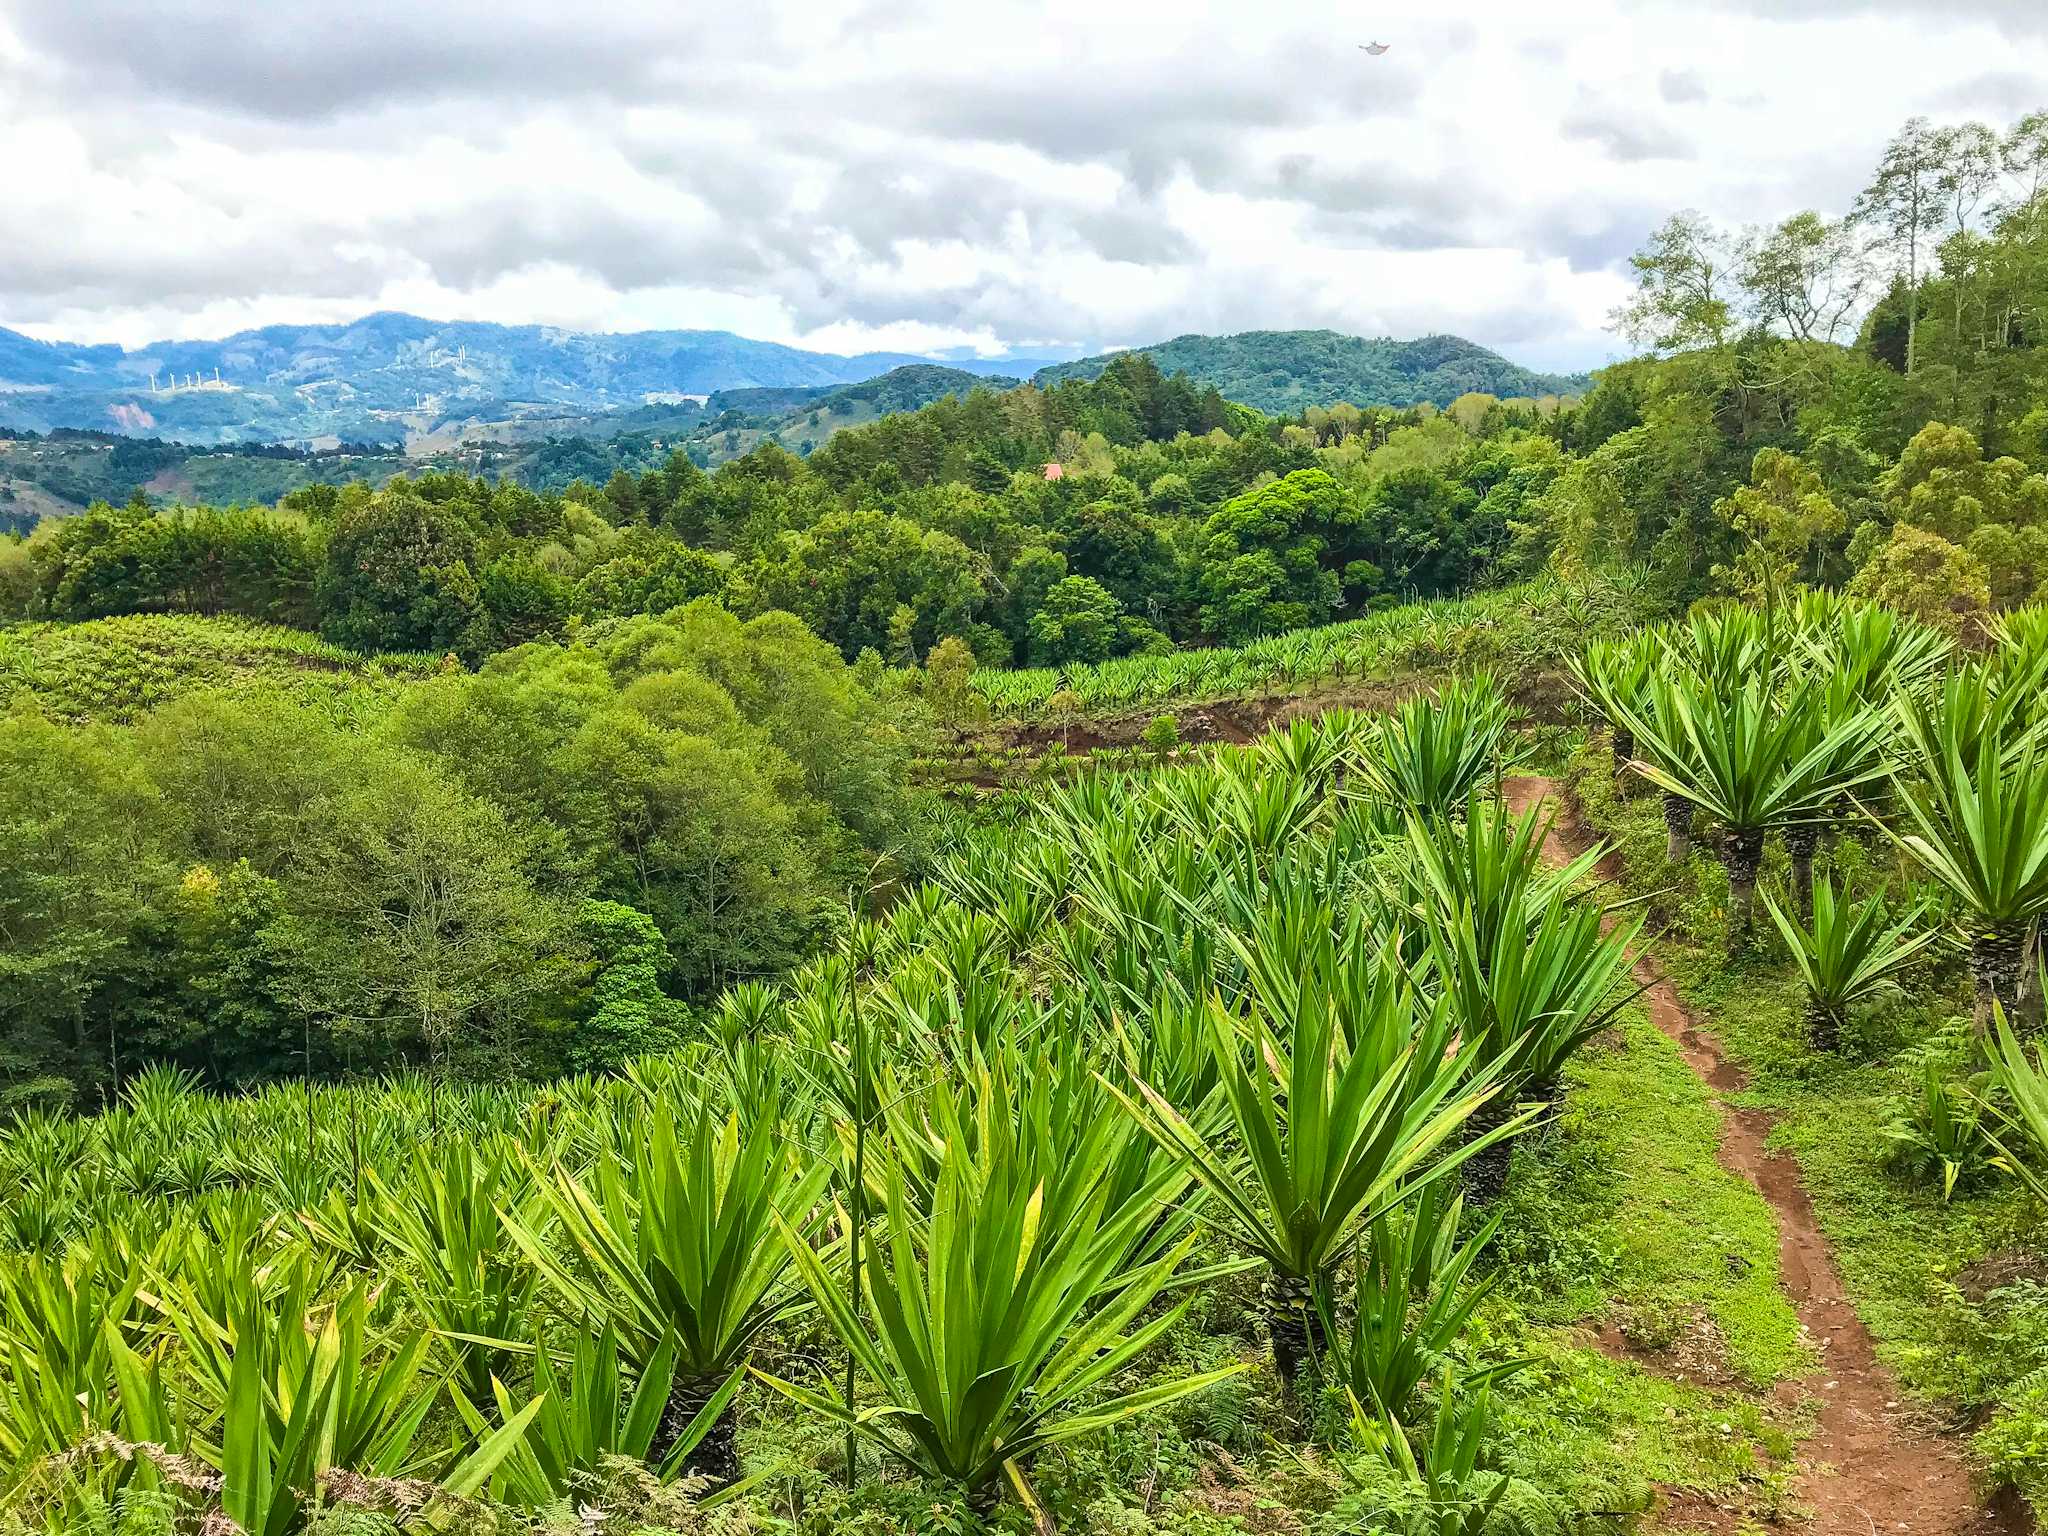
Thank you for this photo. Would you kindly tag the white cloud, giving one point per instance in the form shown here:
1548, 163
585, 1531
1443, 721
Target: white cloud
920, 175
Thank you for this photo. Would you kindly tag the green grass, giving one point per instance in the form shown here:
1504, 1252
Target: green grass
1685, 1240
1618, 1212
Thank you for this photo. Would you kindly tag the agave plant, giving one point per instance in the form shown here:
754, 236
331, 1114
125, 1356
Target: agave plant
1872, 651
1974, 796
59, 1318
1409, 1301
1613, 676
680, 1242
995, 1319
1340, 1092
1729, 646
583, 1412
1754, 762
1490, 864
1940, 1128
466, 1276
298, 1393
2024, 1085
1436, 749
1444, 1490
1525, 997
2022, 636
1847, 952
1530, 971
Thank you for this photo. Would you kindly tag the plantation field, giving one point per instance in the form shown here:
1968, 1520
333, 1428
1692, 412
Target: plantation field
116, 669
1277, 1137
1514, 625
483, 1274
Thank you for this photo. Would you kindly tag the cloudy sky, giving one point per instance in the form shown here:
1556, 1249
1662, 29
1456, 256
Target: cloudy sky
846, 175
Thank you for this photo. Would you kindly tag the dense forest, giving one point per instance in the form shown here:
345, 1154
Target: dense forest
515, 870
1161, 509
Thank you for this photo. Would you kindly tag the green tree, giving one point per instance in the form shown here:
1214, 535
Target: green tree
75, 862
1807, 276
949, 684
1904, 203
1783, 516
1077, 622
1943, 483
621, 1012
231, 1012
1922, 575
1684, 285
648, 573
397, 573
1263, 556
419, 930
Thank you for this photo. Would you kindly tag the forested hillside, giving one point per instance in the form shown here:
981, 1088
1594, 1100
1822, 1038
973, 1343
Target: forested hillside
1093, 519
296, 860
1283, 372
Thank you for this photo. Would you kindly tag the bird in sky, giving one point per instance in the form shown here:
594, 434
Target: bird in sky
1375, 49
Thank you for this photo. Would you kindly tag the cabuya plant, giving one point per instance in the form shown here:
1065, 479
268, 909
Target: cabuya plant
1848, 952
1343, 1092
1755, 760
1973, 795
1002, 1293
679, 1248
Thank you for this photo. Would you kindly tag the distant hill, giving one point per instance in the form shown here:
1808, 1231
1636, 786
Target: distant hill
397, 378
62, 471
1282, 372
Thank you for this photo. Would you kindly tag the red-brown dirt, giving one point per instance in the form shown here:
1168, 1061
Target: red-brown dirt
1867, 1468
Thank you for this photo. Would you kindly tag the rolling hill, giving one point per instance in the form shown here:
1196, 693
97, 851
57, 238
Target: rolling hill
395, 378
1282, 372
61, 472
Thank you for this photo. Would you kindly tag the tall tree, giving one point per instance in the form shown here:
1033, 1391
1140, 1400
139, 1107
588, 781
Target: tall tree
1904, 200
1683, 276
1807, 276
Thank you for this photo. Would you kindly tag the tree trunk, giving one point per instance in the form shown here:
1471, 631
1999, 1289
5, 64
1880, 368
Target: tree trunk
1677, 828
1486, 1172
1296, 1331
1823, 1026
717, 1455
1800, 842
1995, 956
1624, 754
1913, 284
1744, 857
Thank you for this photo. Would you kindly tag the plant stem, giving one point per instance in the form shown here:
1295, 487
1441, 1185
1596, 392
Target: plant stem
1677, 828
1744, 857
856, 1198
1800, 842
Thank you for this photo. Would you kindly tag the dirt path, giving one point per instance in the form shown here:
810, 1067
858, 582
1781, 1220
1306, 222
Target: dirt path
1866, 1470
